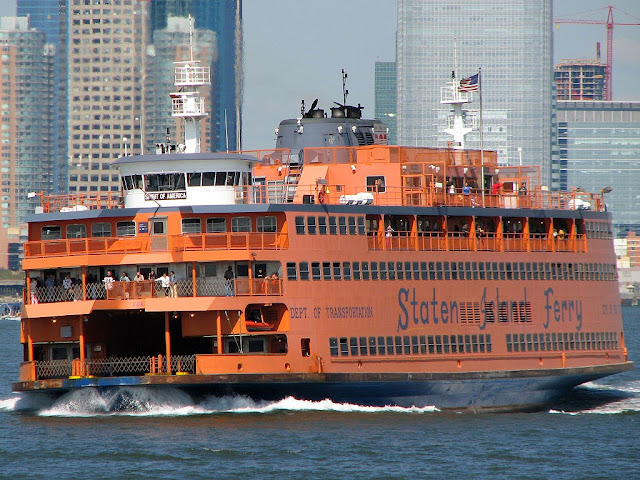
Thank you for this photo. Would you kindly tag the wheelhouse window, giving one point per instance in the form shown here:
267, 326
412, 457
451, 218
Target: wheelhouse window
266, 224
216, 225
241, 224
101, 230
376, 183
163, 182
194, 179
191, 225
126, 229
76, 231
51, 232
129, 182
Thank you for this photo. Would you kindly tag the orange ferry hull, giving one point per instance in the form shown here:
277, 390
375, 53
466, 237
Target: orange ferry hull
515, 390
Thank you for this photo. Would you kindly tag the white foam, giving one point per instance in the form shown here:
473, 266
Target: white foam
172, 402
630, 401
9, 404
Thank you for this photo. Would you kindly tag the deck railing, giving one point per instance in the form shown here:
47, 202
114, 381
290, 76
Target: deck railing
145, 244
114, 366
205, 287
341, 194
486, 241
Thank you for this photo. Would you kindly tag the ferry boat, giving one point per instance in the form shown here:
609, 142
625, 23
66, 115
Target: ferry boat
332, 266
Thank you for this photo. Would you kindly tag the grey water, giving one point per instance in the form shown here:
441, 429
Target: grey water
593, 433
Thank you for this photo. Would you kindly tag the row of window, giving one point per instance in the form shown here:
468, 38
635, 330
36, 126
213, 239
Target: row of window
564, 341
450, 271
599, 230
409, 345
342, 225
161, 182
189, 225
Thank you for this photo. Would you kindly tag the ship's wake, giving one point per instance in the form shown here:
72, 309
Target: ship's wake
602, 399
170, 402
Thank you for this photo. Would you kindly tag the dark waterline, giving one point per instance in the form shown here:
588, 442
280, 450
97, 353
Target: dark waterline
593, 433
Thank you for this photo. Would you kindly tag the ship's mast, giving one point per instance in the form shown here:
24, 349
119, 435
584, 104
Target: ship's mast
460, 122
186, 100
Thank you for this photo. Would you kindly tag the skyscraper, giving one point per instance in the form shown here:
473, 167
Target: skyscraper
511, 40
107, 55
580, 79
599, 147
223, 17
26, 124
385, 97
49, 16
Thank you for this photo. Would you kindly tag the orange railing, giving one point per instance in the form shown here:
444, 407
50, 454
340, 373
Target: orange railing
487, 241
339, 194
145, 244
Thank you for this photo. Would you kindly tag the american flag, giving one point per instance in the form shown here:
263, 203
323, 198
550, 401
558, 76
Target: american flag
469, 84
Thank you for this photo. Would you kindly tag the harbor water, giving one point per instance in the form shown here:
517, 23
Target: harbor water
593, 433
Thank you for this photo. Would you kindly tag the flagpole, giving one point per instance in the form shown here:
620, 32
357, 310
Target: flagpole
481, 137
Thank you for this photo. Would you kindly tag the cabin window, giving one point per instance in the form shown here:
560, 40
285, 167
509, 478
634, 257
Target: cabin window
346, 269
333, 346
376, 183
216, 225
342, 221
353, 344
51, 232
361, 230
292, 273
191, 225
300, 226
322, 225
352, 226
336, 271
383, 270
266, 224
381, 349
126, 229
392, 271
374, 271
311, 225
305, 347
333, 229
315, 270
101, 230
241, 224
344, 348
194, 179
363, 346
356, 270
163, 182
326, 270
76, 231
365, 271
304, 271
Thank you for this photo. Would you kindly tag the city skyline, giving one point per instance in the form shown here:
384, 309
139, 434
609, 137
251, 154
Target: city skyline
301, 56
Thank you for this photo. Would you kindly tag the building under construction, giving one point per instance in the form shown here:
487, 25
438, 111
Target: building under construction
582, 79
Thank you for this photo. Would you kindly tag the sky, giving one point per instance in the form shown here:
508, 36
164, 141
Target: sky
296, 49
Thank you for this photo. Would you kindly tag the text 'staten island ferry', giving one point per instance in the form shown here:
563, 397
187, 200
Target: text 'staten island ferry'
333, 266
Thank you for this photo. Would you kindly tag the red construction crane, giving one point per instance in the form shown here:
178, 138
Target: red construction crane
609, 23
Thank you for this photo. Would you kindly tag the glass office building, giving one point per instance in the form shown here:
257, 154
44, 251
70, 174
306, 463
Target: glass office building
511, 40
599, 147
385, 98
50, 17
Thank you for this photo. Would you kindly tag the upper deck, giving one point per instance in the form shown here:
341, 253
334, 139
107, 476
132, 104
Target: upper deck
373, 175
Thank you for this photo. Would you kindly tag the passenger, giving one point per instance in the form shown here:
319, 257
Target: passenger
173, 284
67, 283
228, 282
389, 236
124, 277
139, 277
165, 283
152, 275
108, 282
